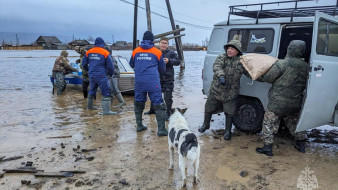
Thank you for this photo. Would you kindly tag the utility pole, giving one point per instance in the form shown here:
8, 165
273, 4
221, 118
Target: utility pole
178, 41
148, 15
17, 40
135, 24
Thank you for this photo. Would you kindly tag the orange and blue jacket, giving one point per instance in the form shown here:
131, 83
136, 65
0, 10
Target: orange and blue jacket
148, 64
98, 61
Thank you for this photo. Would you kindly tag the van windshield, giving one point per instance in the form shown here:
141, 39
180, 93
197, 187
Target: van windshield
254, 40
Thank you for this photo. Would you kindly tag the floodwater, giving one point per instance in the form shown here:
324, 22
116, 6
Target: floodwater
123, 159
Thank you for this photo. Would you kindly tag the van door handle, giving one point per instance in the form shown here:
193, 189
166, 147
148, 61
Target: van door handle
319, 67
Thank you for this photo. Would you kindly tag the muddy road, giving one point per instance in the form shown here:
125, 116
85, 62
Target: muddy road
114, 156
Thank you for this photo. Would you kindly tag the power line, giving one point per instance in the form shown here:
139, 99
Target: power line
178, 21
180, 13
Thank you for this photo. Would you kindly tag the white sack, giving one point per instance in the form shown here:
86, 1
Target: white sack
257, 64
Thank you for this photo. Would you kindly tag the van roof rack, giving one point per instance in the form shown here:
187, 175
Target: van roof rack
294, 11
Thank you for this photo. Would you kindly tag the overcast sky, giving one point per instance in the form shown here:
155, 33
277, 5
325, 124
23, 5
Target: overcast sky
114, 18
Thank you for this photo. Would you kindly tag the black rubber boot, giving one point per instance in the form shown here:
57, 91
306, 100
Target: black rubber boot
90, 103
85, 85
300, 145
85, 94
168, 98
228, 126
266, 149
160, 111
106, 103
206, 123
138, 109
151, 110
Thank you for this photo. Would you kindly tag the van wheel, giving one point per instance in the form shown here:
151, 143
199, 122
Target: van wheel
250, 114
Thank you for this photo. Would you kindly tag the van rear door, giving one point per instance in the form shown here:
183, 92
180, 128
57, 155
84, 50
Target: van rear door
321, 94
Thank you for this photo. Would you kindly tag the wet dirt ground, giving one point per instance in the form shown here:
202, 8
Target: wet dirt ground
114, 156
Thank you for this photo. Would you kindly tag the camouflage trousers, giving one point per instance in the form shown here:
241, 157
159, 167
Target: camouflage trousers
59, 81
271, 123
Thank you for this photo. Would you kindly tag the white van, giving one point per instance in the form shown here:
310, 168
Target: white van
270, 32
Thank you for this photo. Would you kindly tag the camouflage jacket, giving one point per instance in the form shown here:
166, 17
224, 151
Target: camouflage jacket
288, 78
62, 65
82, 52
116, 68
232, 70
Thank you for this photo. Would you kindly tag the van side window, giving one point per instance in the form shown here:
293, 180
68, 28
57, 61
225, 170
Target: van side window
253, 40
327, 38
216, 42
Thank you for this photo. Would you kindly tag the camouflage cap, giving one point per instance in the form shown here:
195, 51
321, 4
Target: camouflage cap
235, 44
64, 53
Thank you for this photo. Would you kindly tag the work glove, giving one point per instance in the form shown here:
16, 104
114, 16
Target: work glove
221, 80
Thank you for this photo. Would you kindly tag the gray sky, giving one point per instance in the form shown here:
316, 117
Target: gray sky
108, 18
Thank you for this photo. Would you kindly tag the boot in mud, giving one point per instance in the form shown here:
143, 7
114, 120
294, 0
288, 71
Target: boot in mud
228, 125
90, 103
121, 100
138, 109
59, 92
106, 102
151, 110
85, 94
266, 149
206, 123
160, 111
300, 146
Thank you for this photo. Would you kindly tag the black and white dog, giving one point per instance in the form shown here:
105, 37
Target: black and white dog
184, 142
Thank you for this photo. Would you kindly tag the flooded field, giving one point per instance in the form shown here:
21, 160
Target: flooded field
114, 156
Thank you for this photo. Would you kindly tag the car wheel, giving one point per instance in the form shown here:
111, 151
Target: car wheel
250, 114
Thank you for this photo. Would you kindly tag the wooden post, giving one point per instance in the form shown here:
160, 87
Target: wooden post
171, 37
168, 33
178, 47
135, 25
148, 15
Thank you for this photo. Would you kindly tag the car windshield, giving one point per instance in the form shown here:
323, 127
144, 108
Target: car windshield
123, 64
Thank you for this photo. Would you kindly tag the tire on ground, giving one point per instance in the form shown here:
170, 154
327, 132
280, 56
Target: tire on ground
250, 114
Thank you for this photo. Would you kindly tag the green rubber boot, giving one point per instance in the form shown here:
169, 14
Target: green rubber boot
106, 102
138, 109
121, 100
90, 103
160, 111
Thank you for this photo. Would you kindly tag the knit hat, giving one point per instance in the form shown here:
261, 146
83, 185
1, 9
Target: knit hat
148, 36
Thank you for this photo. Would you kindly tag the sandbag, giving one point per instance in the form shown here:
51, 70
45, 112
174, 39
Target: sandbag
257, 64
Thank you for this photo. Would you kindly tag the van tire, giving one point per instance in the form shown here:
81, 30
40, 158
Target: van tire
249, 115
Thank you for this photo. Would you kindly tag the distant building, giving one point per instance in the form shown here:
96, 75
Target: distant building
74, 43
49, 42
121, 45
